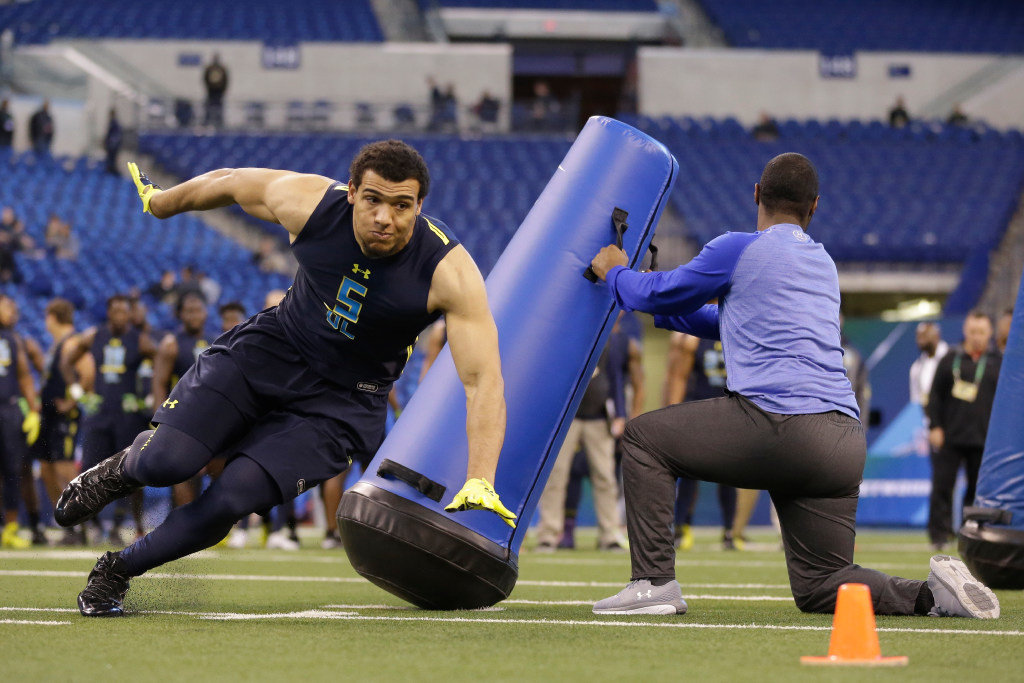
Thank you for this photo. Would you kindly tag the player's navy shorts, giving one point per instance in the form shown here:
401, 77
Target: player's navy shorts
57, 433
252, 393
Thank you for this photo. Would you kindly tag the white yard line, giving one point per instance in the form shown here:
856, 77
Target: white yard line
353, 579
27, 622
328, 612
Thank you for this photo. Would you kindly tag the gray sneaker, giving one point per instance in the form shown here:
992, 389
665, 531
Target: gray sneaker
957, 593
640, 597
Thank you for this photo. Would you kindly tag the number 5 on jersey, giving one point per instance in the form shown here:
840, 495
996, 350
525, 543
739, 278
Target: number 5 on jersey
347, 309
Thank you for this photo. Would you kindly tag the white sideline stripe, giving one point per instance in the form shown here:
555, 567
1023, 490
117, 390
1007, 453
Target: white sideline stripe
326, 613
203, 577
619, 584
352, 579
28, 622
623, 560
750, 598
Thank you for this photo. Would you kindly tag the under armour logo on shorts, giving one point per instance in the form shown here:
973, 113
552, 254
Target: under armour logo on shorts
169, 404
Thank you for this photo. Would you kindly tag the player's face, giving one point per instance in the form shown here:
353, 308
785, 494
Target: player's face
977, 333
118, 315
384, 213
8, 312
231, 319
193, 314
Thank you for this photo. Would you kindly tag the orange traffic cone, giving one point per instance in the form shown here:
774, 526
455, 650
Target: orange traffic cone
854, 638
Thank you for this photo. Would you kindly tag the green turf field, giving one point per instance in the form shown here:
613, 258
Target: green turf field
274, 615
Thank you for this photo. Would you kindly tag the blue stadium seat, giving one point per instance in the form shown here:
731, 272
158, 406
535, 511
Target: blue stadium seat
39, 21
841, 27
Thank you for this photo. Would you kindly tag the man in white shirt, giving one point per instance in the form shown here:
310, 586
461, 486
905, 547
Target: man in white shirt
929, 340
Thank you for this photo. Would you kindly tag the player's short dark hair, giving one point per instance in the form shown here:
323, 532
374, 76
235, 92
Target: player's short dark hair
231, 306
114, 298
978, 313
789, 185
62, 311
392, 160
179, 306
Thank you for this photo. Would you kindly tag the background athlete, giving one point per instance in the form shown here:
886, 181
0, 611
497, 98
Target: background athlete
298, 390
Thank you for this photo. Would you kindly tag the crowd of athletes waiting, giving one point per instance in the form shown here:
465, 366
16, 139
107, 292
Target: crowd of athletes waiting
93, 389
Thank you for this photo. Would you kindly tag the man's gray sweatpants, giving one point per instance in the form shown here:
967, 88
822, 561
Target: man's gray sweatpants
810, 464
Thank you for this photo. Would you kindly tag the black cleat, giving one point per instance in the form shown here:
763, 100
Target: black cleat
104, 594
38, 537
92, 490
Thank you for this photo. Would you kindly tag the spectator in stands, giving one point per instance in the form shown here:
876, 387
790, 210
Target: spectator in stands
164, 290
40, 129
766, 129
898, 116
209, 287
486, 110
6, 125
957, 117
269, 258
215, 78
959, 407
545, 110
112, 142
8, 226
443, 107
189, 282
1003, 329
60, 240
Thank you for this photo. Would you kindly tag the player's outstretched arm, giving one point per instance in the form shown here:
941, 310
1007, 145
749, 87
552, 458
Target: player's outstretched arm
282, 197
458, 290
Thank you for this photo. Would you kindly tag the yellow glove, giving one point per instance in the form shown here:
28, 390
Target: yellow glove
477, 494
30, 425
146, 187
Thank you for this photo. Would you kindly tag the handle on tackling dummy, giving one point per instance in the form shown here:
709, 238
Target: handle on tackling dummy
619, 217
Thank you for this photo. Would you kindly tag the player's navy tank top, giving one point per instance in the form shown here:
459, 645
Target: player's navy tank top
117, 361
355, 318
708, 377
54, 386
9, 343
189, 348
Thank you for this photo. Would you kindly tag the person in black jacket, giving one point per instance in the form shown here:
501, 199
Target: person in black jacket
6, 125
958, 412
40, 129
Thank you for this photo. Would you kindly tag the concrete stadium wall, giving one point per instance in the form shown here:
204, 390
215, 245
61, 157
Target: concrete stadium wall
379, 73
742, 83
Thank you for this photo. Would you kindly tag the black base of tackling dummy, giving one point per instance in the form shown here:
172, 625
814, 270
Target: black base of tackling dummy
428, 559
994, 554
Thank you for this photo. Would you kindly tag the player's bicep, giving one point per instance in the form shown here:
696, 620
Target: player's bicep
459, 290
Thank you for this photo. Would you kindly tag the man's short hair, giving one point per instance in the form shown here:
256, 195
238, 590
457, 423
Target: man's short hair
114, 298
789, 185
62, 311
978, 313
392, 160
179, 306
231, 306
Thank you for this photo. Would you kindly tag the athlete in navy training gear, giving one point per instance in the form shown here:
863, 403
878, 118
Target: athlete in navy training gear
177, 353
55, 448
298, 390
111, 419
16, 423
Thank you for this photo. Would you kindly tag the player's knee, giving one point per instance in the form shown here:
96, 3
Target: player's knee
815, 598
